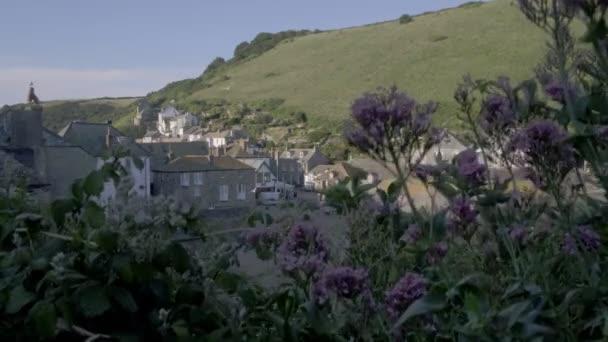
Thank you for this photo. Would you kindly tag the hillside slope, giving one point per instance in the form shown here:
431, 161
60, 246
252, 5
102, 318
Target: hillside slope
322, 73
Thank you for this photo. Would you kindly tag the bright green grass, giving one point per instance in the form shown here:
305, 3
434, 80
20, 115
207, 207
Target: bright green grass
322, 73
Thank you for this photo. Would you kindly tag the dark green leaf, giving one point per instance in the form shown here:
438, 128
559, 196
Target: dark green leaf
106, 239
94, 214
60, 208
93, 184
44, 317
433, 301
122, 266
138, 162
124, 298
394, 189
93, 300
180, 328
229, 281
514, 312
178, 257
17, 299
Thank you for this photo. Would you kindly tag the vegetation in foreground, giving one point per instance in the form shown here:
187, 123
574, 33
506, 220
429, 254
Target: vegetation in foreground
494, 265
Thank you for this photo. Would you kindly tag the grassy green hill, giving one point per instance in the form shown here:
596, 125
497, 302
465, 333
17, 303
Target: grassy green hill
322, 73
59, 113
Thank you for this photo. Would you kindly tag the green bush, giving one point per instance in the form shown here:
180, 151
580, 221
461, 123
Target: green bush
405, 19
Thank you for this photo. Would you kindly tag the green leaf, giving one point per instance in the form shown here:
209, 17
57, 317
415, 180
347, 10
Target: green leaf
394, 189
44, 317
124, 298
138, 162
93, 184
94, 215
180, 328
229, 281
106, 239
60, 208
433, 301
122, 266
93, 300
514, 312
17, 299
178, 257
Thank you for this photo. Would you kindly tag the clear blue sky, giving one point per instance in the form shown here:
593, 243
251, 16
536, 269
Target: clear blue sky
77, 49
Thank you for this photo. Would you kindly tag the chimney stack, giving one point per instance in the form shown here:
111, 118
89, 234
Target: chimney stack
108, 138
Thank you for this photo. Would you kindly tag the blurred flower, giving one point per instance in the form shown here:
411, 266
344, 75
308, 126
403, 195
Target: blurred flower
409, 288
388, 115
561, 91
497, 114
518, 234
437, 252
588, 238
303, 250
343, 282
412, 234
543, 146
469, 168
424, 172
462, 217
260, 236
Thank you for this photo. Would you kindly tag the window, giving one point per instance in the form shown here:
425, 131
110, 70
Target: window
185, 179
198, 178
197, 191
241, 193
223, 193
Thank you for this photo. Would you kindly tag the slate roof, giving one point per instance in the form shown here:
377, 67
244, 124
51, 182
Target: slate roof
203, 163
162, 152
236, 151
92, 138
342, 170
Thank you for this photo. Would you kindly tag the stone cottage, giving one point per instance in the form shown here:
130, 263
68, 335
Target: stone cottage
208, 181
323, 177
99, 140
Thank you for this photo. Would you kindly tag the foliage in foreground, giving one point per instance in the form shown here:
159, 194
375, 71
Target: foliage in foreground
495, 264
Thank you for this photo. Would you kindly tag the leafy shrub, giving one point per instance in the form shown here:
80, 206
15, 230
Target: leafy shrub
405, 19
471, 4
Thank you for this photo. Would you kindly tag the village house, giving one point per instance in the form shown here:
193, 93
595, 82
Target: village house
99, 141
308, 158
323, 177
172, 123
209, 181
224, 138
262, 163
32, 154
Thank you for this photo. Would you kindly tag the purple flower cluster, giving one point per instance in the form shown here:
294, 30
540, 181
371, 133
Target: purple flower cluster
588, 238
386, 115
462, 217
519, 235
260, 236
497, 114
409, 288
469, 168
561, 91
542, 143
343, 282
412, 234
303, 250
437, 252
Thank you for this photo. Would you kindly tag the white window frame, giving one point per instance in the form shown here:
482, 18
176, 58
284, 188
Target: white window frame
241, 193
184, 179
198, 178
224, 193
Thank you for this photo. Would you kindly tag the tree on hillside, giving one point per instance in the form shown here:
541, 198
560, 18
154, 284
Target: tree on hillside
217, 63
405, 19
240, 51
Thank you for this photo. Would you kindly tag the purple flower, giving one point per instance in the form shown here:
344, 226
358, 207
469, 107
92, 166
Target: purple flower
518, 235
412, 234
589, 240
497, 114
387, 115
303, 250
462, 217
469, 168
561, 91
260, 236
343, 282
543, 146
409, 288
437, 252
